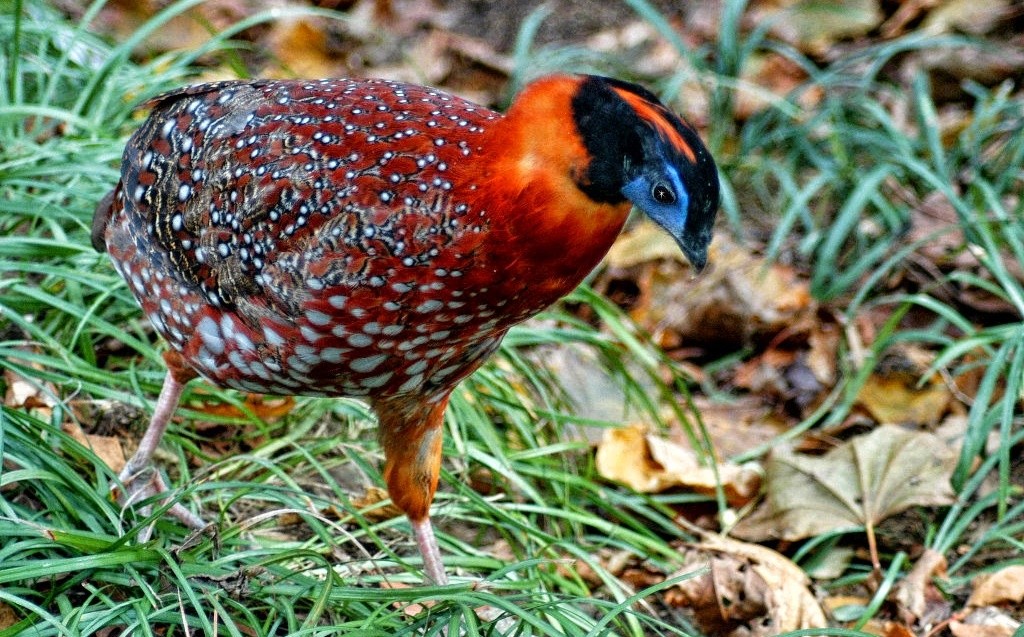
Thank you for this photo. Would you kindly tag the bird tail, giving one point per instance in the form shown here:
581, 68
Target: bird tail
101, 218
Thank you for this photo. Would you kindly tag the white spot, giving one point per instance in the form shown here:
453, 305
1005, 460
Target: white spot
376, 381
337, 301
445, 371
440, 335
206, 359
367, 364
417, 367
360, 340
429, 306
260, 370
308, 355
332, 354
297, 364
412, 383
317, 318
236, 360
272, 337
309, 333
227, 325
211, 336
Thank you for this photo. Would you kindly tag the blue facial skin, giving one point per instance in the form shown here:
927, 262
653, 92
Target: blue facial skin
661, 196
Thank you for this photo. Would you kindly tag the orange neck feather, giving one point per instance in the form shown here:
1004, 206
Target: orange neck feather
536, 208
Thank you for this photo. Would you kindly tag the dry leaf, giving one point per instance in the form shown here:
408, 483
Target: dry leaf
300, 48
985, 622
739, 425
976, 17
8, 617
651, 464
1005, 586
914, 591
107, 448
265, 408
367, 502
886, 628
814, 25
410, 609
896, 399
750, 590
644, 243
740, 299
861, 482
22, 394
769, 76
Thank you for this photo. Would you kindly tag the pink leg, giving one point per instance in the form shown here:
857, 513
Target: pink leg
433, 567
138, 477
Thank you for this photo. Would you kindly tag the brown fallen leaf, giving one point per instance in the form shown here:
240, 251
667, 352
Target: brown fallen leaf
741, 299
107, 448
300, 48
886, 628
265, 408
1005, 586
23, 394
739, 425
913, 593
815, 26
8, 617
985, 622
857, 484
411, 609
652, 464
368, 501
893, 393
750, 590
769, 76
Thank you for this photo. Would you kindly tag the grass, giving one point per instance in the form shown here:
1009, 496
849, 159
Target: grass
296, 550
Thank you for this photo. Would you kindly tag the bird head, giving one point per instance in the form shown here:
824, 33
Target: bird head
641, 151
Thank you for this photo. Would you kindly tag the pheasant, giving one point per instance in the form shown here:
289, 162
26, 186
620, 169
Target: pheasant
376, 239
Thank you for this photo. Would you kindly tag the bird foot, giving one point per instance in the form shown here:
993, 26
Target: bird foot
144, 482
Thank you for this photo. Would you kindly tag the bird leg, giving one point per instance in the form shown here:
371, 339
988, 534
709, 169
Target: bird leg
139, 478
433, 566
411, 435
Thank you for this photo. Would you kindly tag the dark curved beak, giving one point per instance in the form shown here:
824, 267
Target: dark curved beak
696, 250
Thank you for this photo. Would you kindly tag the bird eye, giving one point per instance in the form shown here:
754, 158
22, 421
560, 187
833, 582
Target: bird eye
663, 194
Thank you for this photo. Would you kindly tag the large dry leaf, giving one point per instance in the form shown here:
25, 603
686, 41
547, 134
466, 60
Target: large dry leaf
651, 464
985, 622
859, 483
749, 590
1005, 586
741, 298
815, 26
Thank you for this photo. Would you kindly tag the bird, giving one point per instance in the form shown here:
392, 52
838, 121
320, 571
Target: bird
376, 239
